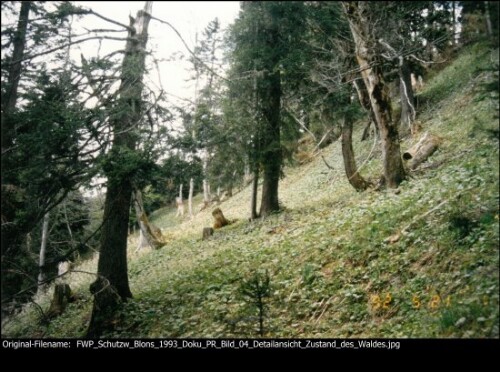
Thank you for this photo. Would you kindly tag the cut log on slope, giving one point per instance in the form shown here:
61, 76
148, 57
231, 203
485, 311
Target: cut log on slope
220, 220
419, 153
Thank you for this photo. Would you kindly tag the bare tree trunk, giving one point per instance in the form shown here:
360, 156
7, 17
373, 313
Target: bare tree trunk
190, 201
358, 15
364, 100
11, 233
487, 15
255, 187
206, 186
247, 177
367, 130
9, 98
142, 238
112, 285
147, 233
351, 169
271, 147
42, 285
68, 226
206, 197
454, 27
180, 203
229, 190
408, 113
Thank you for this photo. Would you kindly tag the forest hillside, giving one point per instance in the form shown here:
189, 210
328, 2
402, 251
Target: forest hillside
420, 260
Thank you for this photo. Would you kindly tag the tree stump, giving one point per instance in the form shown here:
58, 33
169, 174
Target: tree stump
207, 233
419, 153
62, 296
220, 220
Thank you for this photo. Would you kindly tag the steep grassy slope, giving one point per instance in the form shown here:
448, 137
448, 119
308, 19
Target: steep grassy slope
337, 263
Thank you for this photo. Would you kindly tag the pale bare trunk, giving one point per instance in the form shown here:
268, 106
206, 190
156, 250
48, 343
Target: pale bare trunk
408, 112
364, 100
147, 233
358, 15
487, 15
206, 193
138, 213
42, 286
206, 186
68, 226
112, 285
190, 202
253, 201
351, 169
454, 28
180, 203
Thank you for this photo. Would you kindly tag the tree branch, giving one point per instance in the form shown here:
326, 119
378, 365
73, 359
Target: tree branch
90, 11
303, 126
25, 58
328, 165
189, 50
425, 62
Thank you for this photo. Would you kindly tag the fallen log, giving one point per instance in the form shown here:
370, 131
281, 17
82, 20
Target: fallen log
422, 150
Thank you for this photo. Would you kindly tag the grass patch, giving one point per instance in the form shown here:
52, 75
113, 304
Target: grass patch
332, 271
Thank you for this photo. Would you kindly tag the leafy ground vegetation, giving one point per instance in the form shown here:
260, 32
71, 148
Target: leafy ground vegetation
421, 261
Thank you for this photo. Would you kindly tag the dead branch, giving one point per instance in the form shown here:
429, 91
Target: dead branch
48, 51
328, 165
188, 49
396, 237
422, 150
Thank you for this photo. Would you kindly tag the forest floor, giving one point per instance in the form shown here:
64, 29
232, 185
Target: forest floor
419, 262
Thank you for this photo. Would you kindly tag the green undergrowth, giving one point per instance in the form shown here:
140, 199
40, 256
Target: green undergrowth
421, 261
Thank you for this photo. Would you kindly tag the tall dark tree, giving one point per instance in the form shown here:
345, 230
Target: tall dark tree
10, 92
266, 37
10, 235
45, 151
45, 165
112, 285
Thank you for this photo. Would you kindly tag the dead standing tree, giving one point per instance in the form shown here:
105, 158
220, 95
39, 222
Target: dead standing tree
340, 61
179, 203
112, 285
149, 233
370, 62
